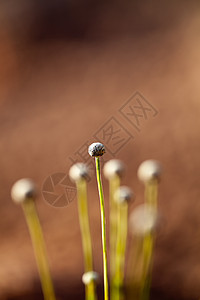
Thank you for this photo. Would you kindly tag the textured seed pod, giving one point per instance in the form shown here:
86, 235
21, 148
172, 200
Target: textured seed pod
143, 220
89, 277
78, 172
23, 190
149, 170
113, 167
96, 149
123, 194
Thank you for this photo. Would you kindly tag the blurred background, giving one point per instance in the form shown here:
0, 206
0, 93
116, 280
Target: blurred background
70, 72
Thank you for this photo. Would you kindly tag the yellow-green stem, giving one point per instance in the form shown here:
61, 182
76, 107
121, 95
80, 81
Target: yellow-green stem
90, 289
148, 244
39, 248
151, 198
84, 224
135, 266
151, 193
114, 184
122, 216
103, 225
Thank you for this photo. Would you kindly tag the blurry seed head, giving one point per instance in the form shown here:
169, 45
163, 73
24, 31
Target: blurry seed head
143, 220
96, 149
78, 172
23, 190
89, 277
149, 170
113, 167
123, 194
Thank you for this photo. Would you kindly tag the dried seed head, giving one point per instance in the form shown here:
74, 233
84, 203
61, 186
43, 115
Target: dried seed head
143, 219
89, 277
96, 149
149, 170
23, 190
78, 172
113, 167
123, 194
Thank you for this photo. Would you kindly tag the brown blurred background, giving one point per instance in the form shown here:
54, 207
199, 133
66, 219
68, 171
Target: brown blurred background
66, 68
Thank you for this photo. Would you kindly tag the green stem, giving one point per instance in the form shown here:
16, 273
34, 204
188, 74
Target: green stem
114, 184
148, 244
122, 213
103, 225
84, 224
151, 193
39, 248
90, 289
135, 267
151, 198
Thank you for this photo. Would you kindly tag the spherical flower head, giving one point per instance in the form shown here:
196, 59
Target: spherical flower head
149, 170
79, 171
23, 190
90, 276
113, 167
96, 149
123, 195
143, 220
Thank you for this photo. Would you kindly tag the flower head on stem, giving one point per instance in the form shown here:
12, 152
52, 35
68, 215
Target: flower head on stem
24, 192
96, 150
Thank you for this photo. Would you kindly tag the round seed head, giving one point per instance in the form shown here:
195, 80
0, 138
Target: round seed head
123, 194
96, 149
149, 170
89, 277
23, 190
113, 167
143, 219
78, 172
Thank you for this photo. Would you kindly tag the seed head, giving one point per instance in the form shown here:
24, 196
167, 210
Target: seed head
149, 170
143, 219
113, 167
89, 277
123, 194
23, 190
78, 172
96, 149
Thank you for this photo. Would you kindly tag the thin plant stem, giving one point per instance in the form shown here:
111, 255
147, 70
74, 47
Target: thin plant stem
114, 184
84, 224
151, 193
39, 248
148, 245
151, 198
122, 228
90, 289
103, 225
134, 272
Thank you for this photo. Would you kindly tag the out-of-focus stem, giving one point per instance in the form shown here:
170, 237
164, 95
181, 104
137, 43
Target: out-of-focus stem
151, 193
114, 184
90, 288
39, 248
